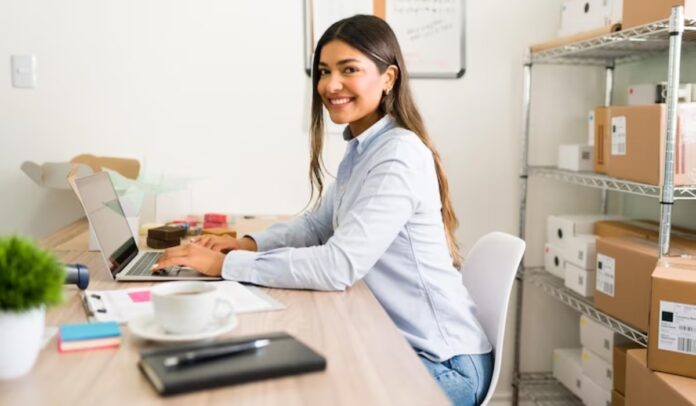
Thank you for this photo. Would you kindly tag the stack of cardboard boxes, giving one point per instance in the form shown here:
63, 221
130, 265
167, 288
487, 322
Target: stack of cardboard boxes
635, 286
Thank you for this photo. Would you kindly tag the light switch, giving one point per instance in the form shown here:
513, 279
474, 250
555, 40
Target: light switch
24, 71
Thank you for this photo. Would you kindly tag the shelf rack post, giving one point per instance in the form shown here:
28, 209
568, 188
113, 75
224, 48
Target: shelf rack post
676, 31
608, 96
524, 173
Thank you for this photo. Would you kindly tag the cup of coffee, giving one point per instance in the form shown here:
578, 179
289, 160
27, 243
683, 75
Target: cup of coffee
189, 306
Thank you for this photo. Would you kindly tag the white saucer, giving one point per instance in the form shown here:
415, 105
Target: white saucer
147, 327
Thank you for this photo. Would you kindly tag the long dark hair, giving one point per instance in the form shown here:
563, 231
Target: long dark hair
373, 37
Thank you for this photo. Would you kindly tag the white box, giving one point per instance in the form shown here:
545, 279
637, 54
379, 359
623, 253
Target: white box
593, 394
567, 368
581, 250
553, 260
599, 339
590, 128
575, 157
652, 93
597, 369
580, 281
559, 228
586, 15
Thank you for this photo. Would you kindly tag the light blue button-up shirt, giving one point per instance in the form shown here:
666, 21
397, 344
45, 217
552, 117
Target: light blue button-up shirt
379, 222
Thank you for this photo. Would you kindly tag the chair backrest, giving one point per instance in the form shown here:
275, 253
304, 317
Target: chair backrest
489, 274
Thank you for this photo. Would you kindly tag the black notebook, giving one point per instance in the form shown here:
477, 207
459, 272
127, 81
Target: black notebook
284, 355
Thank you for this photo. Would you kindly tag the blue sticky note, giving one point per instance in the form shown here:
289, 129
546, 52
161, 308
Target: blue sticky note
88, 331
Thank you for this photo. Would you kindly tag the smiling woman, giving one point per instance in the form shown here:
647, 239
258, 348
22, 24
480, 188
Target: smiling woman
387, 220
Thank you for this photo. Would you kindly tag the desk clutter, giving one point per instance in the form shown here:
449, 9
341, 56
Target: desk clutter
615, 262
227, 362
88, 336
170, 235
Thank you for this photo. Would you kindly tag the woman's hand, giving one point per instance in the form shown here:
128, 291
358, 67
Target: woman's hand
225, 243
202, 259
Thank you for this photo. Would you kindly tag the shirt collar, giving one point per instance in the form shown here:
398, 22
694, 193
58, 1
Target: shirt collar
367, 136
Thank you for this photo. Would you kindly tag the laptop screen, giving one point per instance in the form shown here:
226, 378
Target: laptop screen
106, 216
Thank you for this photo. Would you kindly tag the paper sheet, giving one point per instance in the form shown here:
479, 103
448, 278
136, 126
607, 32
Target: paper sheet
123, 305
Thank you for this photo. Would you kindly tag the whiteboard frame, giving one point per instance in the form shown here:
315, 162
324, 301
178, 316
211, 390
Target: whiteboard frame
309, 47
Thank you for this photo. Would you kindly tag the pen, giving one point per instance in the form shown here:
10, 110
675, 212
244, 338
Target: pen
206, 354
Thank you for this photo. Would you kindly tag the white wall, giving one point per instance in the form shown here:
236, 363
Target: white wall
216, 89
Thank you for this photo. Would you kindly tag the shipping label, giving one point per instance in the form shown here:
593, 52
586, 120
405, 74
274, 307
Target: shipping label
605, 275
677, 327
618, 135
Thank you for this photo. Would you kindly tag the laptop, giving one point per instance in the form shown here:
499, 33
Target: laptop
118, 246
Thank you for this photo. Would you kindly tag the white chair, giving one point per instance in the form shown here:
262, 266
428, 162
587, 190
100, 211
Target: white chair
489, 273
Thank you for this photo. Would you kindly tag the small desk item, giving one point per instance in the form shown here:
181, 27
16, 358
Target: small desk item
88, 336
124, 305
283, 355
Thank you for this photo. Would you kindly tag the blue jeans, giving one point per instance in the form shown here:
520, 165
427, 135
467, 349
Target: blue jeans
464, 378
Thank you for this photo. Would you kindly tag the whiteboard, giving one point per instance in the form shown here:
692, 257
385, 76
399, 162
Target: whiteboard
431, 33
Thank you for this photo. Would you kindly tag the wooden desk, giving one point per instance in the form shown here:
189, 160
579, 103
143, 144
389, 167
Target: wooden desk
369, 361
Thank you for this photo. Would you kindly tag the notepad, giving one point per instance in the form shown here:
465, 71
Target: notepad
123, 305
285, 355
87, 336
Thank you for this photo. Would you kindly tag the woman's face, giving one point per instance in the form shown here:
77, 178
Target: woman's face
351, 86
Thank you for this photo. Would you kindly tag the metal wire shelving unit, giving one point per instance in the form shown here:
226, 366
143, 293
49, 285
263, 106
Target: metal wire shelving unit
660, 37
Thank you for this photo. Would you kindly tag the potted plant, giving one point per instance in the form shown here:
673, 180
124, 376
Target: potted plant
30, 280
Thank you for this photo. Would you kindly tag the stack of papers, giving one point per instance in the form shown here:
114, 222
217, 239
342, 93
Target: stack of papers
88, 336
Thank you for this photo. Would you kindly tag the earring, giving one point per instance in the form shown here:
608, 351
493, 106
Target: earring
387, 90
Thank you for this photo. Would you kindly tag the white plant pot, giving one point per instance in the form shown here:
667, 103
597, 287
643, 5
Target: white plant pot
20, 341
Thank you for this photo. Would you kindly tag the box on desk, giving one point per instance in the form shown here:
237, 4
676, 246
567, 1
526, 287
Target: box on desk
647, 388
599, 339
672, 344
639, 12
637, 143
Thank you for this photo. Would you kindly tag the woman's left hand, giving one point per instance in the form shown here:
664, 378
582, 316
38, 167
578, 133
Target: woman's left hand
203, 260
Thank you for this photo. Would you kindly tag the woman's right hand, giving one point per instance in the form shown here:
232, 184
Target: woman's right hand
225, 243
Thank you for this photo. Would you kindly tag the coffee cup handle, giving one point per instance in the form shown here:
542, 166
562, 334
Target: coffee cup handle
228, 311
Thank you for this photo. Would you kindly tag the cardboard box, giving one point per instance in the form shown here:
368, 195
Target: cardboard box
599, 339
561, 228
567, 368
619, 365
55, 174
593, 394
637, 144
575, 157
581, 251
602, 139
580, 281
680, 237
617, 399
553, 260
655, 93
672, 344
647, 388
585, 15
570, 39
597, 369
622, 289
640, 12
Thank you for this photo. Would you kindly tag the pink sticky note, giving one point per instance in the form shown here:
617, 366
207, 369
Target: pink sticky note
142, 296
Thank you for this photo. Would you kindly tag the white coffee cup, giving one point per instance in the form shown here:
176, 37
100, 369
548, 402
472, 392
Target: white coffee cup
189, 306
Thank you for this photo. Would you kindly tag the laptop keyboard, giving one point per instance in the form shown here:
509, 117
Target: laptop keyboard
144, 264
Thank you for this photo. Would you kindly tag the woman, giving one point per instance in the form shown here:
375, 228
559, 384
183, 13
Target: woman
387, 219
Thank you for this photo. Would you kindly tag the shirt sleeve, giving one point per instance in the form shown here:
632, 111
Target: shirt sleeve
384, 204
312, 228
